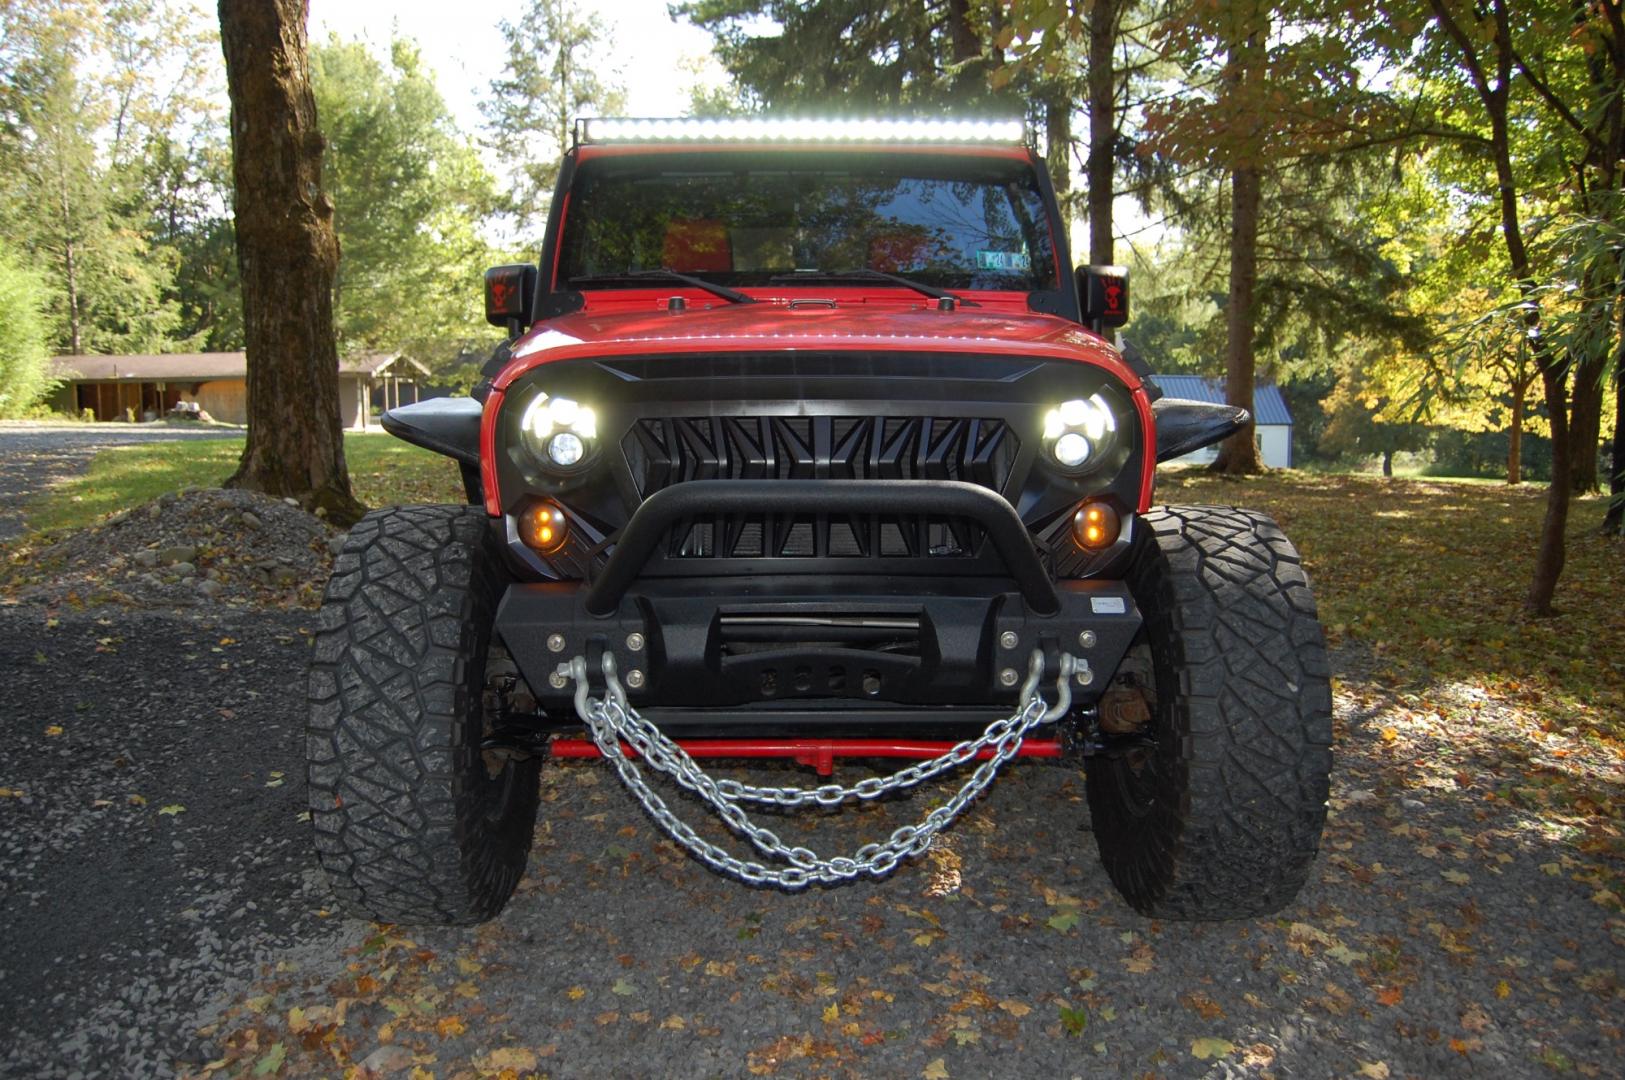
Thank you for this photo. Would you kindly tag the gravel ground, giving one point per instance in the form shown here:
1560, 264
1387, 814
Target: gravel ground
1450, 929
149, 847
198, 547
34, 455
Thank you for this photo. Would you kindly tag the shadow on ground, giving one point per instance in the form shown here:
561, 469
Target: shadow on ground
162, 909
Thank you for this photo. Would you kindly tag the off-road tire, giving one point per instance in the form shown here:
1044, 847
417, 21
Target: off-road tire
1220, 818
411, 823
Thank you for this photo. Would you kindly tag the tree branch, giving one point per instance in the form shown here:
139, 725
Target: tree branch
1545, 91
1469, 56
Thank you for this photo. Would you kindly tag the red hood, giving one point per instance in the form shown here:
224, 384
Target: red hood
770, 326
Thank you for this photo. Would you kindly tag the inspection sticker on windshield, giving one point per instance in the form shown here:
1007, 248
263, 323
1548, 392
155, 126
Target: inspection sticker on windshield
1003, 260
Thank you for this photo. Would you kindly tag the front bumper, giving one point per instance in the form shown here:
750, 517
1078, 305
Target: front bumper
772, 655
784, 653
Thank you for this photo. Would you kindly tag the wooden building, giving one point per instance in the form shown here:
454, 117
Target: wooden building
146, 387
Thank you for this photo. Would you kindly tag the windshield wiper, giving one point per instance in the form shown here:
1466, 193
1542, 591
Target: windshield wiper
730, 295
870, 275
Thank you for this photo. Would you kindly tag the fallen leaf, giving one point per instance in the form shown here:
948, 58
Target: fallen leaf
517, 1058
1141, 961
1474, 1018
1209, 1047
673, 1023
1455, 877
1390, 995
172, 809
1063, 922
448, 1026
623, 988
271, 1061
387, 1059
54, 729
832, 1013
1015, 1008
576, 993
936, 1069
1202, 1005
1074, 1019
1375, 1070
1502, 989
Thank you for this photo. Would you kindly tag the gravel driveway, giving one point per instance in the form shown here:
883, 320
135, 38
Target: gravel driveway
35, 455
154, 872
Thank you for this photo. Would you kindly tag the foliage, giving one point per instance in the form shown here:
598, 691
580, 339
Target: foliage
887, 54
23, 352
557, 68
409, 197
85, 90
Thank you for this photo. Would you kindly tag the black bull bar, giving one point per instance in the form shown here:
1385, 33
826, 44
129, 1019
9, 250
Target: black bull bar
951, 498
780, 640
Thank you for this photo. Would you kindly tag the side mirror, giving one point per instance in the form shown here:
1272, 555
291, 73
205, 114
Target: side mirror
510, 296
1103, 292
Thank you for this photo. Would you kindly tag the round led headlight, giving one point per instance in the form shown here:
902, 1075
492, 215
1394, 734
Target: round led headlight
565, 448
560, 433
1072, 450
1078, 433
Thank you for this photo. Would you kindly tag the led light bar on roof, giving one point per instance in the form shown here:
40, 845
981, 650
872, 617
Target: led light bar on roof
764, 129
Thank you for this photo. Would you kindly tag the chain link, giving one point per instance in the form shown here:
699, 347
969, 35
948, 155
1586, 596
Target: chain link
611, 720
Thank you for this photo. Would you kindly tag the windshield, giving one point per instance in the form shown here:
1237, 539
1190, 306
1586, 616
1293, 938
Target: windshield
750, 218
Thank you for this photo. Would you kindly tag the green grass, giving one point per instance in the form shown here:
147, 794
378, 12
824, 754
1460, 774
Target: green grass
383, 470
1431, 575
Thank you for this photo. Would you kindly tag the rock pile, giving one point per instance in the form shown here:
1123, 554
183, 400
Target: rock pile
189, 548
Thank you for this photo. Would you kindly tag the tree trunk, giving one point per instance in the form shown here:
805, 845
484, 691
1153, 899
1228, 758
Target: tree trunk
287, 253
1613, 524
1058, 138
1515, 438
1551, 553
1388, 464
75, 345
1101, 166
1585, 433
1238, 455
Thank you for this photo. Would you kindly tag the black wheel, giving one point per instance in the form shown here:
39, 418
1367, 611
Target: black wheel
413, 822
1216, 812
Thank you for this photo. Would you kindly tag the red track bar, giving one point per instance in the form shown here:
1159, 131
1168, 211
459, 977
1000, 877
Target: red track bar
819, 753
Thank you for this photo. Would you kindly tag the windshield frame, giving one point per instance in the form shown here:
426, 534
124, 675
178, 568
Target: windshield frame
556, 297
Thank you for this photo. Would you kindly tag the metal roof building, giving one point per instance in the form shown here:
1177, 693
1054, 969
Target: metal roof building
1270, 414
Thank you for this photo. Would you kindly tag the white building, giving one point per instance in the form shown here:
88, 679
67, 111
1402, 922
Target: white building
1272, 420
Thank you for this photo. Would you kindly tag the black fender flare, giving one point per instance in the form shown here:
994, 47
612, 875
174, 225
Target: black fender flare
448, 426
1183, 426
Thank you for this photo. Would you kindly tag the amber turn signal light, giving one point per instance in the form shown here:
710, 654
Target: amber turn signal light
543, 527
1095, 526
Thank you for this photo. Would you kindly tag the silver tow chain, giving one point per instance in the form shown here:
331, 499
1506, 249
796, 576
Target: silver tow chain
611, 720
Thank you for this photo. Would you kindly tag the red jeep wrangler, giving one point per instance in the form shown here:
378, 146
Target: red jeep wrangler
806, 442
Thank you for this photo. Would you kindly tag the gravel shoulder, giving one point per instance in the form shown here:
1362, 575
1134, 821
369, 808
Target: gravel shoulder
1451, 927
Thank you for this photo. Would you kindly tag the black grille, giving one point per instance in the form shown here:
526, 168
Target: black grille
666, 451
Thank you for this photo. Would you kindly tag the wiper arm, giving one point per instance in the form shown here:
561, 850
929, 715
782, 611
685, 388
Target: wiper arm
864, 274
731, 295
